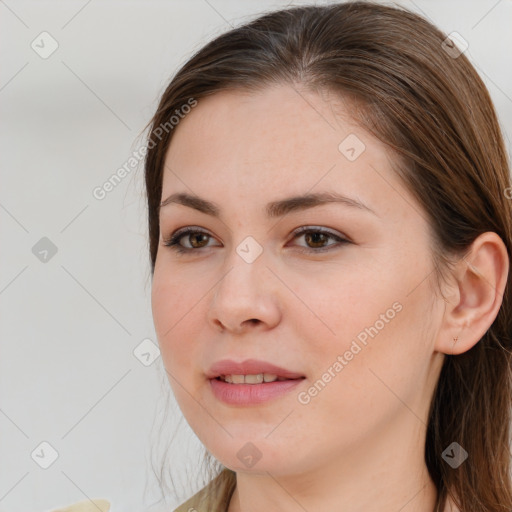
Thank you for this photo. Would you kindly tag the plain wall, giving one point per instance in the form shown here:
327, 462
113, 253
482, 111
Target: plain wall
71, 321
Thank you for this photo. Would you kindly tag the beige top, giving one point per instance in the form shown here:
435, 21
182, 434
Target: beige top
194, 504
86, 506
197, 502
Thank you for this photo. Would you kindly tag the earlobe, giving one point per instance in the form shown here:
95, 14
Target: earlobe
480, 279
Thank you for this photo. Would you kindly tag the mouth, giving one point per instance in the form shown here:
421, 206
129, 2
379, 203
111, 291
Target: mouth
242, 393
250, 371
260, 378
251, 382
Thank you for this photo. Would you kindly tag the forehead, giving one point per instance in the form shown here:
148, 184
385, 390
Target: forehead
263, 126
276, 142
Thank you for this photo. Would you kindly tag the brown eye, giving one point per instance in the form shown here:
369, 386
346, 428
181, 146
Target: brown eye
197, 239
317, 238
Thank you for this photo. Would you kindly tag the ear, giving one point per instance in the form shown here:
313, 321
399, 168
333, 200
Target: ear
476, 296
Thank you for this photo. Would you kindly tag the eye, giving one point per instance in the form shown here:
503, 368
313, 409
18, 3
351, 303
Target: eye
198, 239
317, 236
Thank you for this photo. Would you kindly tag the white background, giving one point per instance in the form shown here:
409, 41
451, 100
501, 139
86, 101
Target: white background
69, 326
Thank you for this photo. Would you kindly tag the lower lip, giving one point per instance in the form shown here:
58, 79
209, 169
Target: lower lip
250, 394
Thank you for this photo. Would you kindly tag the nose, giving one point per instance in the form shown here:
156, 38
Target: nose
246, 297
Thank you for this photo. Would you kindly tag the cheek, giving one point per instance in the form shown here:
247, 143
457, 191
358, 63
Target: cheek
336, 307
372, 320
173, 316
173, 306
379, 359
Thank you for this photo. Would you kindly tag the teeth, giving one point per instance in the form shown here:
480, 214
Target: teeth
251, 379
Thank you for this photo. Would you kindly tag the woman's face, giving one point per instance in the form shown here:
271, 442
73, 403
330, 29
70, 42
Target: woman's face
356, 319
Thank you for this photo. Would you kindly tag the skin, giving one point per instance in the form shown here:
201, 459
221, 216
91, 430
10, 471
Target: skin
358, 445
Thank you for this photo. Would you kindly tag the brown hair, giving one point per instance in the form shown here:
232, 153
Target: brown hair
430, 106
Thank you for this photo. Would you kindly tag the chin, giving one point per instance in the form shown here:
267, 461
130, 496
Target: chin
254, 455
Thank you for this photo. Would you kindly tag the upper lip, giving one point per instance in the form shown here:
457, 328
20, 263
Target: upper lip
249, 367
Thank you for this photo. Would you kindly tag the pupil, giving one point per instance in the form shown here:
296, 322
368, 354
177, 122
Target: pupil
315, 235
197, 236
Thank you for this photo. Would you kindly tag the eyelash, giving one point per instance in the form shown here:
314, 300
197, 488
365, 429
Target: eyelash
173, 241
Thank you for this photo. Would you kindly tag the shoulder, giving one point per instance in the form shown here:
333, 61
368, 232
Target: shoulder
86, 506
217, 490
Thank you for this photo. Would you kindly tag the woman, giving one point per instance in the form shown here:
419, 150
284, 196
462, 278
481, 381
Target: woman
329, 206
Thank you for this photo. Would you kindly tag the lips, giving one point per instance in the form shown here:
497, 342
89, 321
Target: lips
249, 367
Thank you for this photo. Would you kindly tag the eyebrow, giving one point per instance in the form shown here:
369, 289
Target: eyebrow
273, 209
